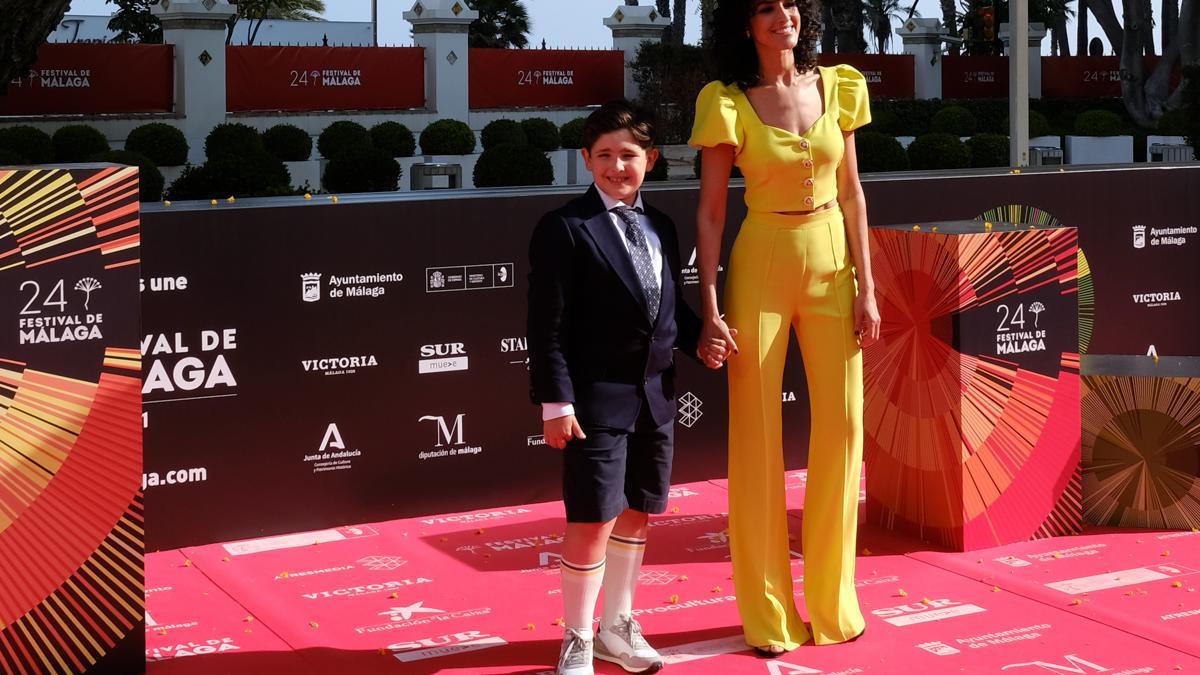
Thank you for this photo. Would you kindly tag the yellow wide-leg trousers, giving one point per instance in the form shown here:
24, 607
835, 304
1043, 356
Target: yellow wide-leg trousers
794, 271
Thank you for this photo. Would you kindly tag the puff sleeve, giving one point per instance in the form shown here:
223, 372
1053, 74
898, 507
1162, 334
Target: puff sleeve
716, 118
854, 104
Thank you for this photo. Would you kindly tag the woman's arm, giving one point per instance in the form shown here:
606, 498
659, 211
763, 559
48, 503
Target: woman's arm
854, 209
716, 167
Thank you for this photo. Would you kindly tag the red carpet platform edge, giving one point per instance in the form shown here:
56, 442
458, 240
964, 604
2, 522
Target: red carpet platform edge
477, 593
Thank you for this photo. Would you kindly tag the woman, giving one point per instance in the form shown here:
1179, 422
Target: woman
789, 126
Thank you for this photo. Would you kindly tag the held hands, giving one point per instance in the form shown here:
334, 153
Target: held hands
716, 343
560, 430
866, 319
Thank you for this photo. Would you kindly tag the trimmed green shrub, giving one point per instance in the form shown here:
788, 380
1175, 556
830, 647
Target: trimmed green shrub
955, 120
10, 158
29, 142
447, 137
938, 151
1099, 123
879, 152
258, 175
343, 136
571, 133
288, 143
502, 132
362, 170
232, 139
150, 179
77, 142
661, 171
162, 143
1173, 122
988, 150
511, 165
542, 134
886, 122
394, 138
1038, 125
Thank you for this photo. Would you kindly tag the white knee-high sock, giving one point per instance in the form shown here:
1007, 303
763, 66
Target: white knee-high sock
580, 586
624, 563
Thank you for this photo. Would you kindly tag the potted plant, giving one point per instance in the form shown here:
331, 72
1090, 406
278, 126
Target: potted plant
1099, 139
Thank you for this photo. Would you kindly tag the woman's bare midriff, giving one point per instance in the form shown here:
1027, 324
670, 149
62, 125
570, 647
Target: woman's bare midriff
827, 205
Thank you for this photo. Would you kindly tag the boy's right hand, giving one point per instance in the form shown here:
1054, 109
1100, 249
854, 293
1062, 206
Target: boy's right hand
560, 430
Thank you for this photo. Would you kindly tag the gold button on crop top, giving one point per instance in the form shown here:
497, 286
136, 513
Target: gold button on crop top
784, 171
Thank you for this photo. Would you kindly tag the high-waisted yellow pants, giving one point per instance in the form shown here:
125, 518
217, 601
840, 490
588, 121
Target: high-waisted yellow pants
794, 271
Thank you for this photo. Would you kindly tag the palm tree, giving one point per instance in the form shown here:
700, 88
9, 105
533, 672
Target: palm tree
881, 15
501, 24
849, 17
258, 11
706, 18
949, 21
26, 26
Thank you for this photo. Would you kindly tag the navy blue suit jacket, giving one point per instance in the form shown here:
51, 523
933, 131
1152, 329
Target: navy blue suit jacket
591, 339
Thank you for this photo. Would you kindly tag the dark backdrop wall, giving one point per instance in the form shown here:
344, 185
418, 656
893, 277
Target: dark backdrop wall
311, 363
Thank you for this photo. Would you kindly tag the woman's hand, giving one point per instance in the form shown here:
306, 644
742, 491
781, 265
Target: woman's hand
716, 342
866, 319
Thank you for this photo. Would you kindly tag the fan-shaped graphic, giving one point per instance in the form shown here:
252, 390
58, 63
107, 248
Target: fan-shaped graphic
1030, 215
70, 406
972, 422
1141, 451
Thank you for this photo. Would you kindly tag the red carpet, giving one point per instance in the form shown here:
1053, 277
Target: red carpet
478, 593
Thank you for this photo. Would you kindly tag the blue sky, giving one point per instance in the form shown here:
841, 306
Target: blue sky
580, 26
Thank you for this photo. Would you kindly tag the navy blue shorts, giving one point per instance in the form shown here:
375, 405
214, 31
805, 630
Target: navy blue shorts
615, 469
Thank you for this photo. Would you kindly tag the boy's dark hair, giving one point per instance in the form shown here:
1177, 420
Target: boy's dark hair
733, 52
618, 115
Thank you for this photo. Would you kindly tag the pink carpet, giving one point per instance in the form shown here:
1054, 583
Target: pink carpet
476, 593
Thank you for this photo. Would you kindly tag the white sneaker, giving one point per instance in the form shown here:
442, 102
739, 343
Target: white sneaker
622, 643
575, 658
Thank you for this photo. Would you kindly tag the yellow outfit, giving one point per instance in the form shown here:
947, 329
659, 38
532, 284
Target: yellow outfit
792, 271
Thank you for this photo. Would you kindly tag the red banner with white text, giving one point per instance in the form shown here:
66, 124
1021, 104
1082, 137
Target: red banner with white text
888, 75
530, 78
974, 77
1090, 76
71, 79
324, 78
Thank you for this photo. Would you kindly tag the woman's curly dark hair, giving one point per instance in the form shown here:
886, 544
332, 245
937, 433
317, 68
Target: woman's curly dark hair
734, 55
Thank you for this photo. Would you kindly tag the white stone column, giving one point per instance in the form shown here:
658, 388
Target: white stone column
440, 27
197, 31
1037, 33
922, 38
631, 26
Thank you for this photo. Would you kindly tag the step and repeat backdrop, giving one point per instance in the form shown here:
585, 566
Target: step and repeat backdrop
313, 363
71, 522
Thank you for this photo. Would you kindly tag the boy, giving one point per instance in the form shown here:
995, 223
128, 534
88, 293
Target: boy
605, 312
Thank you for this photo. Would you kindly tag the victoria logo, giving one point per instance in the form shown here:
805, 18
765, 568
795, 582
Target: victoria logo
310, 287
339, 365
441, 358
1139, 236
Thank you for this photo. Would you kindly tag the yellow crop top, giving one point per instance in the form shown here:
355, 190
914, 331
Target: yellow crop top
783, 171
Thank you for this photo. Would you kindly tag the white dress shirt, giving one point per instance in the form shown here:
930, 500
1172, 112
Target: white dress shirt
555, 410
